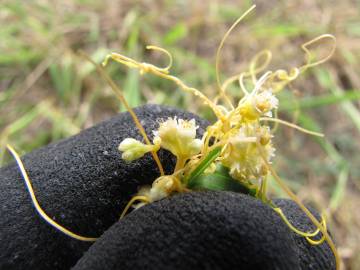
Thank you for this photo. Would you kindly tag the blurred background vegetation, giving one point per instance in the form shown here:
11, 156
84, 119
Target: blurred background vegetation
48, 92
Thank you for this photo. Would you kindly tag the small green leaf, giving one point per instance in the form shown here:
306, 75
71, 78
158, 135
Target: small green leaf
204, 164
219, 180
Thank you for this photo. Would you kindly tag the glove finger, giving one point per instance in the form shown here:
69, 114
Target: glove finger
196, 230
82, 183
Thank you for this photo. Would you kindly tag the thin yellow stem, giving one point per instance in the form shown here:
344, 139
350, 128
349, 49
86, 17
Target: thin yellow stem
218, 54
37, 205
263, 188
166, 52
119, 94
254, 70
292, 126
297, 231
276, 125
193, 91
305, 46
322, 239
163, 73
180, 162
302, 206
131, 202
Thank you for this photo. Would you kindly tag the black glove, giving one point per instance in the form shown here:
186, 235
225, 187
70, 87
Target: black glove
82, 183
207, 230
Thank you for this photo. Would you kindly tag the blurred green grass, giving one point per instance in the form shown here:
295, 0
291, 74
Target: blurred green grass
48, 92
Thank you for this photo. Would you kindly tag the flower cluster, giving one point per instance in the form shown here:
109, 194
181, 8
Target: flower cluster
178, 136
242, 155
175, 135
241, 142
235, 152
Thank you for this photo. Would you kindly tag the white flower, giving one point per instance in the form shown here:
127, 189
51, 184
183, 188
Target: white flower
242, 155
133, 149
258, 104
178, 136
264, 102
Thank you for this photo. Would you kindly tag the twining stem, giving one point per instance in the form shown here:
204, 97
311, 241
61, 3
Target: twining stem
119, 94
37, 205
217, 61
143, 199
163, 73
276, 120
302, 207
192, 90
287, 222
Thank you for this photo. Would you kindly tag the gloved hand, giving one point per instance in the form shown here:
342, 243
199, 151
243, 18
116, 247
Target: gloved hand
207, 230
83, 184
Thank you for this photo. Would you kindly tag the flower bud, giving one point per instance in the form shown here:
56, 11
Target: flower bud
133, 149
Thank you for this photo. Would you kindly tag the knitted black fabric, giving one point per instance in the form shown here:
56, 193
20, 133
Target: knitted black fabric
82, 183
196, 230
312, 257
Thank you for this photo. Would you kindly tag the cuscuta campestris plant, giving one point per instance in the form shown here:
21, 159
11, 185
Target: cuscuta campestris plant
235, 152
